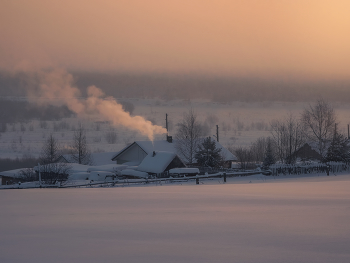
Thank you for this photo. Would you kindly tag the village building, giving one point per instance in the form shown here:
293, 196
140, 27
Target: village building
138, 150
10, 177
306, 153
159, 163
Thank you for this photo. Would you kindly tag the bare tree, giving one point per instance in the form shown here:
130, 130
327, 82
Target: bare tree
288, 136
188, 136
51, 150
51, 172
258, 148
319, 120
244, 157
80, 152
269, 154
27, 175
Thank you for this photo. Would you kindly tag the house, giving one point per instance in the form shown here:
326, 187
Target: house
306, 153
10, 177
138, 150
158, 163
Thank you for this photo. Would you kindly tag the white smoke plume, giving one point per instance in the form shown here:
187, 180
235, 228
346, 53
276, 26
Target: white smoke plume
55, 87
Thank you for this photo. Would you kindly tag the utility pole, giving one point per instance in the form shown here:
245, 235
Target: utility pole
166, 122
217, 133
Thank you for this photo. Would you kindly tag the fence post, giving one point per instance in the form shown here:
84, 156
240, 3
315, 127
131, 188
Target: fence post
224, 177
197, 180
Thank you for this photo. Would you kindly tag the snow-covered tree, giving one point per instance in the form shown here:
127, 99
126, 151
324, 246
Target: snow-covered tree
207, 154
288, 136
51, 172
244, 156
188, 136
338, 151
51, 150
269, 156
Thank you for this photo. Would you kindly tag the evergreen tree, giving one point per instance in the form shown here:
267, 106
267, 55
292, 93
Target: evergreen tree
269, 157
207, 154
338, 151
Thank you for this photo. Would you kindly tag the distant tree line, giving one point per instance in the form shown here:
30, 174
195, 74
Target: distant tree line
20, 111
7, 164
316, 126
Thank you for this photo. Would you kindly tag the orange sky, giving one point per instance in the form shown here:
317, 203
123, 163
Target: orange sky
230, 37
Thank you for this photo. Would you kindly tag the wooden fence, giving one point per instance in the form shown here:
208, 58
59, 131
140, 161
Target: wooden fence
329, 168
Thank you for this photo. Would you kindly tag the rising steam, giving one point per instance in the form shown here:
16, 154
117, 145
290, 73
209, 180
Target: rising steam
55, 87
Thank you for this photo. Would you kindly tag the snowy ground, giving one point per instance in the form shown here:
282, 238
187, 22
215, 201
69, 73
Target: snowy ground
239, 123
284, 219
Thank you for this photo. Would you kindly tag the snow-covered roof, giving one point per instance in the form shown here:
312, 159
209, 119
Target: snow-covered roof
165, 146
161, 145
156, 163
12, 173
228, 156
149, 146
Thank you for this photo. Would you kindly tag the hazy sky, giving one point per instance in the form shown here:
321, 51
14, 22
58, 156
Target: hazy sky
263, 37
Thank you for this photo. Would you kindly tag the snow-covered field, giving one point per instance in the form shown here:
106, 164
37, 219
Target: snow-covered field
287, 219
239, 123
